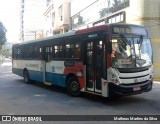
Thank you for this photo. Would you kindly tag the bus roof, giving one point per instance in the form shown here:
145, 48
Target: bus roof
92, 29
104, 27
70, 33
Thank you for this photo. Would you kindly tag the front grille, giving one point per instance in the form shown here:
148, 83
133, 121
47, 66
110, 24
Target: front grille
133, 84
133, 70
133, 77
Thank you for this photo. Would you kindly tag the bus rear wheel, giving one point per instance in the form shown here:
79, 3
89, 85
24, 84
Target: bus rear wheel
26, 76
73, 86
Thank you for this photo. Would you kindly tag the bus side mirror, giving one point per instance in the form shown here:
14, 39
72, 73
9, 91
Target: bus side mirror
109, 48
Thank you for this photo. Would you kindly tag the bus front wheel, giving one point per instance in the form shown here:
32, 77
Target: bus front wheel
26, 76
73, 86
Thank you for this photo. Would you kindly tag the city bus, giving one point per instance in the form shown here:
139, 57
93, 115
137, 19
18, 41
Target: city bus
108, 60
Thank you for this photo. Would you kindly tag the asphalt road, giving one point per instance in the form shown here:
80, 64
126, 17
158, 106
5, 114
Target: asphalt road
18, 98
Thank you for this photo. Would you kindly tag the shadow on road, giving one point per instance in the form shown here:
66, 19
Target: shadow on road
117, 101
90, 97
43, 86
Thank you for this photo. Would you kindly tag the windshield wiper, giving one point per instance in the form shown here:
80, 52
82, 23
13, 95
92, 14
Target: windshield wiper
125, 40
141, 40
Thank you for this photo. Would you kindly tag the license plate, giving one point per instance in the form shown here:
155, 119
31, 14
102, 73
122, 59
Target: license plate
136, 88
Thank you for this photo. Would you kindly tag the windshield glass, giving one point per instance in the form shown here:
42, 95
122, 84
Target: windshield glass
131, 52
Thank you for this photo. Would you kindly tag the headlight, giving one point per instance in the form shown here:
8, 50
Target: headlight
113, 76
114, 79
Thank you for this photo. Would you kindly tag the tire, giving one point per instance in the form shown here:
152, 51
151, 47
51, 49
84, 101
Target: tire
73, 86
26, 77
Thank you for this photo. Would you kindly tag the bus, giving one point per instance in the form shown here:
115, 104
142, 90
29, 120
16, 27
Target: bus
108, 60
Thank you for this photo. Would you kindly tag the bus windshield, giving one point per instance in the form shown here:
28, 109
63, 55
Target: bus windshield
131, 52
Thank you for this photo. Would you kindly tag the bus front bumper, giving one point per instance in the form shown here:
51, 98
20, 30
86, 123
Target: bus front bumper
132, 89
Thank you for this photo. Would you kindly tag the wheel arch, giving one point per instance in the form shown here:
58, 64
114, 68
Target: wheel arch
70, 75
73, 88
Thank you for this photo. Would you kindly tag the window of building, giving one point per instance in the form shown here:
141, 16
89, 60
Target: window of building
101, 22
61, 12
53, 18
119, 17
103, 9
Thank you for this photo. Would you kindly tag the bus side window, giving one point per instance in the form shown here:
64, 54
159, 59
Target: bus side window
15, 53
40, 53
77, 51
72, 50
68, 51
30, 52
58, 51
37, 52
55, 52
19, 53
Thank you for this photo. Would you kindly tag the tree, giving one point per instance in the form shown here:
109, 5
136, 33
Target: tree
2, 34
116, 2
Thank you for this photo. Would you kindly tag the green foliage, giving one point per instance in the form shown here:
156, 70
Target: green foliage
80, 21
2, 34
115, 7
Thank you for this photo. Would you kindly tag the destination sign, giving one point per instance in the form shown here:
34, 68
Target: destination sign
129, 30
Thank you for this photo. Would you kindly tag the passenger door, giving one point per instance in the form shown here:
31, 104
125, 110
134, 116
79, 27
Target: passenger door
94, 64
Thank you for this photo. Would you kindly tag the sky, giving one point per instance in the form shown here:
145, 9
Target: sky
9, 16
81, 4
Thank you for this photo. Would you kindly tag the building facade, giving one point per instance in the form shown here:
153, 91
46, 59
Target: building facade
31, 19
21, 39
98, 12
57, 17
141, 12
48, 20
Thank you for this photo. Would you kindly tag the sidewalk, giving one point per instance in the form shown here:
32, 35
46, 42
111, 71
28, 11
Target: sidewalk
1, 58
1, 62
5, 60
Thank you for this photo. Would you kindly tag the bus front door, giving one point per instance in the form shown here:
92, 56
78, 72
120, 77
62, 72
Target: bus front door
94, 64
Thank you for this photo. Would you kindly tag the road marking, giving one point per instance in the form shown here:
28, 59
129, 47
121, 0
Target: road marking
4, 76
11, 85
156, 82
6, 72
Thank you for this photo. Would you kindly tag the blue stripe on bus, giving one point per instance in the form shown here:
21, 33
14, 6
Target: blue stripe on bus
33, 75
18, 71
56, 79
36, 75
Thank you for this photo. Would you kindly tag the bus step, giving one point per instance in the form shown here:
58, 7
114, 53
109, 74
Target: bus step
48, 83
